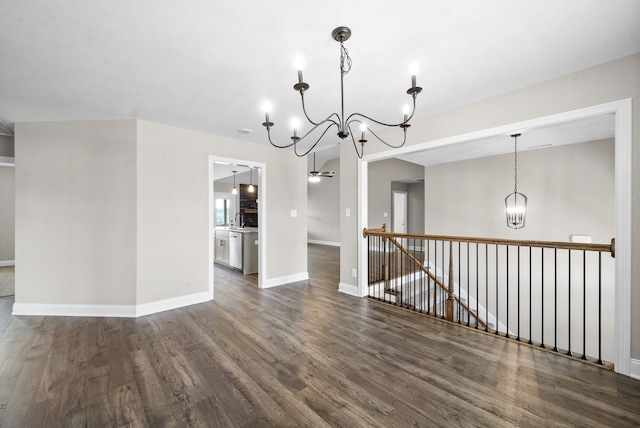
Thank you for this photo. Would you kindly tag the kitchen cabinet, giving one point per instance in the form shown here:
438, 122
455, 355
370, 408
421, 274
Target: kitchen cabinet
222, 247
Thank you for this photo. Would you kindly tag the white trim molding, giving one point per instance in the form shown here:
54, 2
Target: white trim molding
329, 243
349, 289
635, 369
287, 279
65, 310
110, 311
6, 263
7, 161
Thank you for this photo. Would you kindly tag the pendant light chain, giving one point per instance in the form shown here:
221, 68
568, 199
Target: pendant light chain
515, 166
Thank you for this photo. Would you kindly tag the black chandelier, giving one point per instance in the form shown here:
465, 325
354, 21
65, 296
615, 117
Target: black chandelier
340, 121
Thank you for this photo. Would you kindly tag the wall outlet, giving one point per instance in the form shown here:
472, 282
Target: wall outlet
294, 213
354, 272
385, 215
256, 242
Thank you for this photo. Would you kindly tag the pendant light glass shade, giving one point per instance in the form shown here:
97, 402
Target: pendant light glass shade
251, 189
234, 191
515, 203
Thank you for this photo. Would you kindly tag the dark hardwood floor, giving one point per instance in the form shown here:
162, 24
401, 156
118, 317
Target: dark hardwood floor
295, 355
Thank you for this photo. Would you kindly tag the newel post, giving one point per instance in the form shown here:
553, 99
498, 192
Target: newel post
450, 298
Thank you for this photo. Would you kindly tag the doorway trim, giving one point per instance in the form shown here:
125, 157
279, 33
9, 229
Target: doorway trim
622, 110
262, 226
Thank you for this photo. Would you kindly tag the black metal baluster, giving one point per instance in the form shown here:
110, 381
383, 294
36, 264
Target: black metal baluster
584, 304
530, 297
600, 308
518, 305
508, 285
497, 300
486, 287
569, 311
435, 283
542, 306
429, 277
468, 287
477, 286
459, 277
555, 299
442, 291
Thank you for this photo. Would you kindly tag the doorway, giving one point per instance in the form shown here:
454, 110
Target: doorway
221, 172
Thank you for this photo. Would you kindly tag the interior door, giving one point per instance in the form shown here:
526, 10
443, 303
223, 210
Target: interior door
399, 212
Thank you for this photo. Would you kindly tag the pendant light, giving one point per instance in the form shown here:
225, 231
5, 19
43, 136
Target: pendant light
251, 189
234, 191
515, 203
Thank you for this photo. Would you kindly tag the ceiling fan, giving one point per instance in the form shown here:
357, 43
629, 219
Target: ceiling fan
314, 176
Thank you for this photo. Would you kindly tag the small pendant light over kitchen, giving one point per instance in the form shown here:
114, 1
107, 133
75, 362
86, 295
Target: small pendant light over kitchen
234, 191
515, 203
251, 189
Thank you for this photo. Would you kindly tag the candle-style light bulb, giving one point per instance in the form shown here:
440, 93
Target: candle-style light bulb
295, 123
266, 106
413, 70
405, 110
299, 63
363, 128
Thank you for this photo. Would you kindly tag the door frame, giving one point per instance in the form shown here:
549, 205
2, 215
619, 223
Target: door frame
262, 229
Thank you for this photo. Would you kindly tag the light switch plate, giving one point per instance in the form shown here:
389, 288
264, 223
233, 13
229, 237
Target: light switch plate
294, 213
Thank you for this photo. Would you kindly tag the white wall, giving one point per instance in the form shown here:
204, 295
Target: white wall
570, 190
117, 212
608, 82
381, 176
324, 206
76, 213
7, 215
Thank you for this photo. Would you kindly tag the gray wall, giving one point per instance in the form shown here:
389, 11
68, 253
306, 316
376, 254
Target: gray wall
324, 206
6, 146
608, 82
76, 212
570, 190
7, 215
384, 177
116, 212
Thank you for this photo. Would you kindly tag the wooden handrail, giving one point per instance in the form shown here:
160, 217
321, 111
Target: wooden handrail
605, 248
447, 288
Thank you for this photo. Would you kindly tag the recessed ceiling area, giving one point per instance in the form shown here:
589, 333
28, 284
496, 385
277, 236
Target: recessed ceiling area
572, 132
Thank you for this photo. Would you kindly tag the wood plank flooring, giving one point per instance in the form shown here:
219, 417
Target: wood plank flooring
7, 278
295, 355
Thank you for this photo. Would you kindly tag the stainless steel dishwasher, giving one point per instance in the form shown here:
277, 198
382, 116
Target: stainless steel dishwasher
235, 250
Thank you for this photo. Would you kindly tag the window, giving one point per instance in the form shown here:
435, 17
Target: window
223, 212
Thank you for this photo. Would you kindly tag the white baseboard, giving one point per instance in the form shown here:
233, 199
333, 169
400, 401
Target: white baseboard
114, 311
173, 303
7, 263
635, 369
315, 241
287, 279
348, 289
64, 310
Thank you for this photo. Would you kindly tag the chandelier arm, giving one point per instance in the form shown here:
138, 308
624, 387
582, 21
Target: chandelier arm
295, 147
274, 144
355, 146
404, 140
304, 110
352, 115
304, 136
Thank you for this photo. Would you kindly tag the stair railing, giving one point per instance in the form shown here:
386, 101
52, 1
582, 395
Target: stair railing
526, 295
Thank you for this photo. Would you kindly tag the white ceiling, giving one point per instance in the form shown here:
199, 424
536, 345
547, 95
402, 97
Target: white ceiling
208, 65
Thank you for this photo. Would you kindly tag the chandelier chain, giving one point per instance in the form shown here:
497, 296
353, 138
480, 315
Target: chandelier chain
345, 59
515, 166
